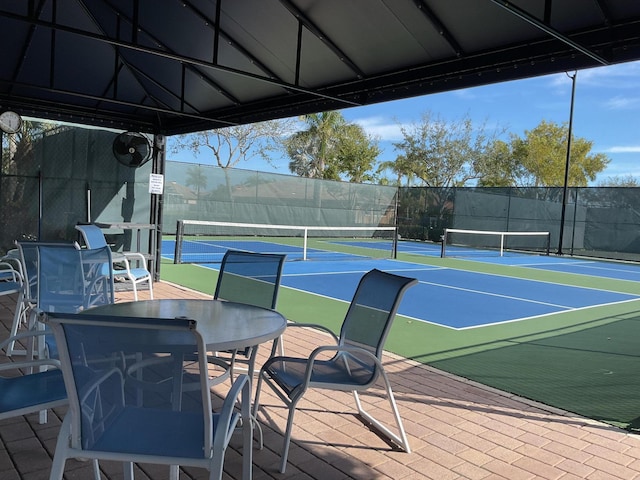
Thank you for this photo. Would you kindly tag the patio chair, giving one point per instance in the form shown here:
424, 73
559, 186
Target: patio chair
11, 284
41, 389
63, 278
356, 361
105, 419
28, 298
251, 278
71, 279
122, 261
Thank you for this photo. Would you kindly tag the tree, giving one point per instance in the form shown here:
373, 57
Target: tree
542, 153
620, 181
400, 167
501, 168
331, 148
196, 178
232, 145
356, 154
314, 150
445, 154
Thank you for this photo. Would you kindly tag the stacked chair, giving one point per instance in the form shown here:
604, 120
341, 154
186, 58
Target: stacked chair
55, 277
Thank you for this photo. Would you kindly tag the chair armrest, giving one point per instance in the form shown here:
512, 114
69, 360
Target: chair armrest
315, 326
337, 350
136, 256
240, 390
13, 262
20, 336
7, 267
29, 364
277, 341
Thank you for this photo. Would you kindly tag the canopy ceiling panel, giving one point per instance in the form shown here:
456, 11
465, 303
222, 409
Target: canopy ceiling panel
176, 66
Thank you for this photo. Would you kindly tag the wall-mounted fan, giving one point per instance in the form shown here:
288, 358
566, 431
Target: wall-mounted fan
132, 149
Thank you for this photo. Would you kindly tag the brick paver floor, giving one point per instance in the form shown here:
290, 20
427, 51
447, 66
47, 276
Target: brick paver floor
457, 430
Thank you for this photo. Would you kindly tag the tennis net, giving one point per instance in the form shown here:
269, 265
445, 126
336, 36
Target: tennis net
468, 243
200, 241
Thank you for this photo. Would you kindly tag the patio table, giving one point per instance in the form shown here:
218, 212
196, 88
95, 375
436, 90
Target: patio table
223, 325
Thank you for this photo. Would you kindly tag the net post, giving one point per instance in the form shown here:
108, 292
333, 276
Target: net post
548, 243
304, 244
394, 247
502, 235
444, 242
177, 253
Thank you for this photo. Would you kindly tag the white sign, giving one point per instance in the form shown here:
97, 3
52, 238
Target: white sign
156, 183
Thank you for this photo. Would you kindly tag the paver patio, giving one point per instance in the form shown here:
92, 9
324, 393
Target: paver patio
457, 429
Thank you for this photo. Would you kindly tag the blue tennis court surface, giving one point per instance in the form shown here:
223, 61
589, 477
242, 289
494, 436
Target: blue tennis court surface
452, 298
578, 266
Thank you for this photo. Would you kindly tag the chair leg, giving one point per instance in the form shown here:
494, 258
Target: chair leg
135, 289
96, 470
18, 318
400, 438
287, 438
62, 446
127, 471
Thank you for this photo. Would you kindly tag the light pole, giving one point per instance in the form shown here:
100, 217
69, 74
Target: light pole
566, 167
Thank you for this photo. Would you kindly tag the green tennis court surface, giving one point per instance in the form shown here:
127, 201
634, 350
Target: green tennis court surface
582, 359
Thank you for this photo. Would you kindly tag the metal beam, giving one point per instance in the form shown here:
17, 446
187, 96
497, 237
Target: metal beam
315, 30
439, 26
175, 57
530, 19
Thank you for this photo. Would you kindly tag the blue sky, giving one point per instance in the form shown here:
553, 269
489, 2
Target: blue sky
606, 111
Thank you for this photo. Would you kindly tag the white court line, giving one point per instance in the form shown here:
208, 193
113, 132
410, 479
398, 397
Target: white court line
581, 264
538, 264
500, 295
302, 274
512, 320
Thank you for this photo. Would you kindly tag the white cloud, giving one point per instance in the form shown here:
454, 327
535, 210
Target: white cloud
381, 128
623, 103
623, 149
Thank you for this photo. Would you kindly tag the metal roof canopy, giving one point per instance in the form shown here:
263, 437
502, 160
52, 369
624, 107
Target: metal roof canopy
177, 66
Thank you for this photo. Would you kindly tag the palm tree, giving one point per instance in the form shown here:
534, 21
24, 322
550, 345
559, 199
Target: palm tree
196, 178
312, 150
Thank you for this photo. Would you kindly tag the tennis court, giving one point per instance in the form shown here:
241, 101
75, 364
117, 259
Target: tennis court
448, 297
558, 330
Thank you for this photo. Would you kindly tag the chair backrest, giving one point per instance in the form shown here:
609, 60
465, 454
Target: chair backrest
92, 235
251, 278
372, 310
94, 351
98, 276
60, 283
61, 277
29, 260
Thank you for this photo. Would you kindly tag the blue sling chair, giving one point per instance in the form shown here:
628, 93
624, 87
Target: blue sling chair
107, 421
356, 363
